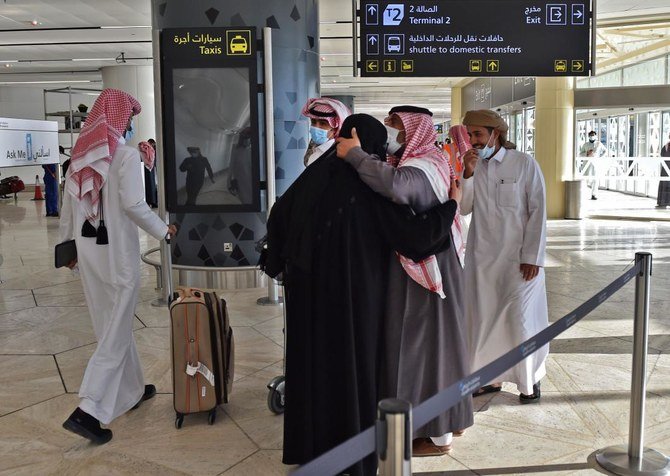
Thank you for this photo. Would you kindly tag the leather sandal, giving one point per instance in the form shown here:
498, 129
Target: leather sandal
424, 447
487, 389
534, 397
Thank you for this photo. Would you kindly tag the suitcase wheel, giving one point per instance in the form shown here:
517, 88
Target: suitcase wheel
179, 421
276, 395
211, 418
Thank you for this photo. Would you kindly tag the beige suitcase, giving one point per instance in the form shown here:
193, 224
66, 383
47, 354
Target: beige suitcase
202, 353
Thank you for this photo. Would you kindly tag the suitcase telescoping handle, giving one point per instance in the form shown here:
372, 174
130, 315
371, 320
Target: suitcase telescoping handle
167, 276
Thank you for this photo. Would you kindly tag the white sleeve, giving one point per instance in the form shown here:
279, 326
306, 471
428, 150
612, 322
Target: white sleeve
468, 200
131, 190
66, 227
535, 234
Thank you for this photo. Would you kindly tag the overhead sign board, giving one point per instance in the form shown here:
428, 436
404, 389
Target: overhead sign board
475, 38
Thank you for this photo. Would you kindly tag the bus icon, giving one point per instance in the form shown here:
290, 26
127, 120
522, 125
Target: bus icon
395, 44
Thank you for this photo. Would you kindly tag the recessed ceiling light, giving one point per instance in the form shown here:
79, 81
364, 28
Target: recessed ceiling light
35, 23
7, 65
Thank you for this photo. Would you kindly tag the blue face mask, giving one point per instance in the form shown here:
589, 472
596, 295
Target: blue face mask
487, 151
319, 136
130, 132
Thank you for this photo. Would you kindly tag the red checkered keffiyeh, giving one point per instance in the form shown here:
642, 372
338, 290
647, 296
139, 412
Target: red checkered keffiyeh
421, 152
329, 109
93, 152
148, 155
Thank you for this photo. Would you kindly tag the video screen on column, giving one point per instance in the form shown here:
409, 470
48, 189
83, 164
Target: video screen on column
214, 158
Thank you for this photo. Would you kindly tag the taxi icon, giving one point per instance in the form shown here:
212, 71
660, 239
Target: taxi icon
239, 44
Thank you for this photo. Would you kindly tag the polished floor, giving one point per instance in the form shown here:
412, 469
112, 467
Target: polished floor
46, 339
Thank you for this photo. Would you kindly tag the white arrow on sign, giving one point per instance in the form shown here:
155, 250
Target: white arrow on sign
372, 9
579, 14
373, 39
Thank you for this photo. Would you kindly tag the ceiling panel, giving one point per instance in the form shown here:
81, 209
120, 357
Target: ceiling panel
80, 37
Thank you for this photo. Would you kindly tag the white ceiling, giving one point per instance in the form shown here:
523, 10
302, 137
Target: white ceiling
90, 34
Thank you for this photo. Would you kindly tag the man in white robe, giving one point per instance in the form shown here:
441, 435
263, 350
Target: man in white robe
102, 208
506, 301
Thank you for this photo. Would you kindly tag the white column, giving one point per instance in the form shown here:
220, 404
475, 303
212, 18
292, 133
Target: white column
554, 136
137, 81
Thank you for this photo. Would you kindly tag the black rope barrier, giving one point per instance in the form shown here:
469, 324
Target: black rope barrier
358, 447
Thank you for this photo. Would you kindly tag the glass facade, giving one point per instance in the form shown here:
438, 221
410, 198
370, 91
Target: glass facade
638, 136
522, 129
652, 72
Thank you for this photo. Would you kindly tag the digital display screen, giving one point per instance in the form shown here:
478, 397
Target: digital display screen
212, 140
451, 38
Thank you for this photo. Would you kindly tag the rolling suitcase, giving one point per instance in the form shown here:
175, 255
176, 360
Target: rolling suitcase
202, 353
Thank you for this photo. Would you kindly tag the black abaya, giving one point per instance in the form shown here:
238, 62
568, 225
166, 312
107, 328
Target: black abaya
330, 237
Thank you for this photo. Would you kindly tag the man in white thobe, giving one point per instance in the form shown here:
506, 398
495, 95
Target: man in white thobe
593, 149
104, 191
506, 300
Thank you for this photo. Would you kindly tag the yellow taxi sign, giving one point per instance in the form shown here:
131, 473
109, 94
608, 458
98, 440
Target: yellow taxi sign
560, 66
238, 43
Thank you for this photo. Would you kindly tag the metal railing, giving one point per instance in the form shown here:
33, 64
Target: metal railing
391, 437
623, 168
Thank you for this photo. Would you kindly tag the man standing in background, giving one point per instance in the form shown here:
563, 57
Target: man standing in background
51, 189
593, 149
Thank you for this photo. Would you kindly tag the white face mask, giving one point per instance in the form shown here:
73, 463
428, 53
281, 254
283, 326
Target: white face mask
392, 145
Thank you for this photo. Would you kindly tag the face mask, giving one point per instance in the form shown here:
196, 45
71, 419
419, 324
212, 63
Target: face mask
319, 136
592, 139
392, 146
486, 152
130, 132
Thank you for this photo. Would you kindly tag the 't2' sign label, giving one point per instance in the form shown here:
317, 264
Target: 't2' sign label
394, 14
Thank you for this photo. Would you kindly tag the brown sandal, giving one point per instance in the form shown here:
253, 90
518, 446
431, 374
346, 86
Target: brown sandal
424, 447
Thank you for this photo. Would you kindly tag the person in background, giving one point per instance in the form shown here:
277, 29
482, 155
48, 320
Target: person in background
326, 116
195, 167
506, 297
103, 206
65, 163
595, 149
148, 156
663, 199
51, 189
426, 331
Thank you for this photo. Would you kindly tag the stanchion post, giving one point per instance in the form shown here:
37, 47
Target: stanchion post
394, 437
272, 298
635, 459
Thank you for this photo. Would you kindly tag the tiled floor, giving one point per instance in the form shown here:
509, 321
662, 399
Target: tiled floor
46, 339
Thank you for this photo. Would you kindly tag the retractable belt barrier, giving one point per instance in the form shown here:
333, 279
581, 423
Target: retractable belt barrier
358, 447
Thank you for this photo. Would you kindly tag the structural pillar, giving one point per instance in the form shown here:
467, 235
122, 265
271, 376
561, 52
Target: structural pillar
295, 52
554, 138
138, 81
456, 106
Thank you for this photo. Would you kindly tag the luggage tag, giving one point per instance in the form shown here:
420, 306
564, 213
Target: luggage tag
202, 370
